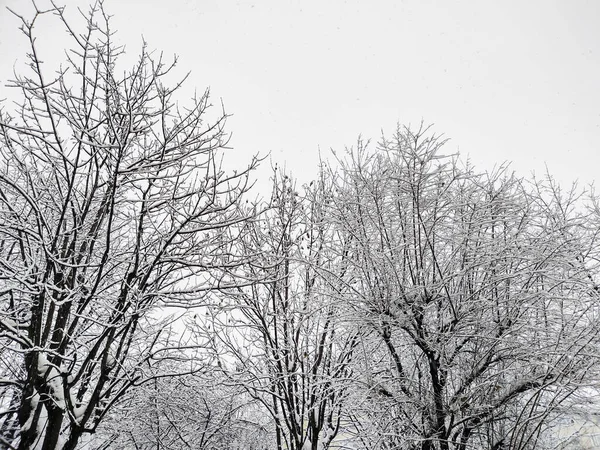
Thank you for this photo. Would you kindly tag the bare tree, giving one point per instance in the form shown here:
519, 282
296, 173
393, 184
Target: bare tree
481, 308
201, 411
284, 339
113, 203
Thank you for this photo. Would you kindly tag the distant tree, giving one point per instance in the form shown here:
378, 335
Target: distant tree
478, 292
113, 204
200, 411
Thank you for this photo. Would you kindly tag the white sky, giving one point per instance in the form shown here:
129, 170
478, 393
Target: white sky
504, 80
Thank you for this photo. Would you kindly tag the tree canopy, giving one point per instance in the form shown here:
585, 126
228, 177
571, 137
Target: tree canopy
403, 299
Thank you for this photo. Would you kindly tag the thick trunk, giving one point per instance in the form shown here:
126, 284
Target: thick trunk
53, 427
438, 381
72, 441
29, 416
314, 438
41, 424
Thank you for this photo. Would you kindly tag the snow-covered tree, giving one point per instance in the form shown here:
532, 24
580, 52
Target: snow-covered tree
481, 308
201, 411
285, 339
113, 203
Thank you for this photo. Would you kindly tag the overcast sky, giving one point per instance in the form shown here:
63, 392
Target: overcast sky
504, 80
